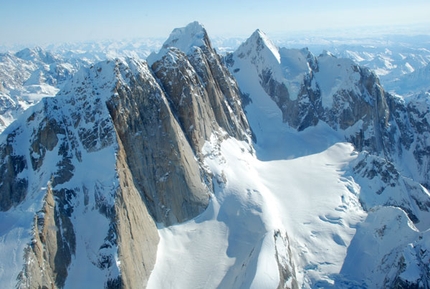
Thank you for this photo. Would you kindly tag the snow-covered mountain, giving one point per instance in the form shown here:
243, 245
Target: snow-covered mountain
339, 93
393, 57
402, 69
29, 75
267, 168
413, 83
83, 172
399, 61
347, 103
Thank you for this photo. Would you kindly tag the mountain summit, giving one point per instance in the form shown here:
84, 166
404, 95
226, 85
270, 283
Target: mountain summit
186, 39
193, 35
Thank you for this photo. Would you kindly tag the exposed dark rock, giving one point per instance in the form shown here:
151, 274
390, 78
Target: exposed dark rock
53, 244
159, 157
201, 91
13, 188
287, 273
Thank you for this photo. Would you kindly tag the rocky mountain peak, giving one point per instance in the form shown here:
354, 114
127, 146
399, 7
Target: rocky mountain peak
261, 38
259, 47
186, 39
203, 94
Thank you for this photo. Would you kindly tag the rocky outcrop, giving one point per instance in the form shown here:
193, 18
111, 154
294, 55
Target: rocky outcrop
200, 89
159, 156
137, 237
13, 188
287, 270
41, 254
407, 134
383, 185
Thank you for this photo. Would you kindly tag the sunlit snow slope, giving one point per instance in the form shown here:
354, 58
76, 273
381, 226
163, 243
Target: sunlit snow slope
299, 214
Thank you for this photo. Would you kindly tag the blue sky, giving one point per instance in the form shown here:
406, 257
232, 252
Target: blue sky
49, 21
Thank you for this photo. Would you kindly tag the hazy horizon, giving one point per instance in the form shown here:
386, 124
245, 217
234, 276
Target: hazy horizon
48, 21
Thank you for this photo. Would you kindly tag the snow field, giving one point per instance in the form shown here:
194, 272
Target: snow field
307, 198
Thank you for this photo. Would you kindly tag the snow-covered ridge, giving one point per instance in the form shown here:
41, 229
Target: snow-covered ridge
101, 78
334, 75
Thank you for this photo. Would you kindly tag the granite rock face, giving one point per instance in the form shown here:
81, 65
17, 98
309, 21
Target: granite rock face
202, 92
159, 156
114, 153
75, 169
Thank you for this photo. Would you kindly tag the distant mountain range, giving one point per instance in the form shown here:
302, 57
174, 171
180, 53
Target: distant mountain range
401, 63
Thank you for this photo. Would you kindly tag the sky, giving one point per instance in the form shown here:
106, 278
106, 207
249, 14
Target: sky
53, 21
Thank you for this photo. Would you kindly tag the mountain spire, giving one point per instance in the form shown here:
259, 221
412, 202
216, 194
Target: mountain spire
186, 39
258, 45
